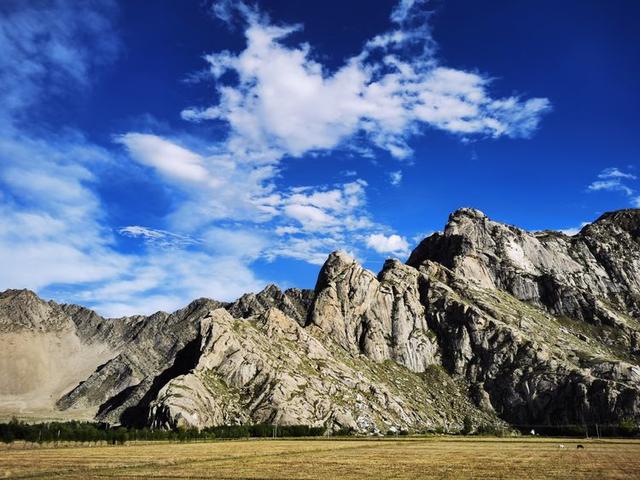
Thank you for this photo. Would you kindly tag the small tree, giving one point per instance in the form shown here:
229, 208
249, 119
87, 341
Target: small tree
467, 425
627, 427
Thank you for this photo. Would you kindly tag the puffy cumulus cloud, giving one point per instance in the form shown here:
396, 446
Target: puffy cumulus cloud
310, 249
216, 187
282, 101
388, 244
318, 220
328, 209
168, 158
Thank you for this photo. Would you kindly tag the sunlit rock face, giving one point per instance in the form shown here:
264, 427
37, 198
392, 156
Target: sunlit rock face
485, 321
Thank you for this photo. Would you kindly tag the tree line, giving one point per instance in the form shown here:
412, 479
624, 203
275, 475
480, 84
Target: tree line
76, 431
95, 432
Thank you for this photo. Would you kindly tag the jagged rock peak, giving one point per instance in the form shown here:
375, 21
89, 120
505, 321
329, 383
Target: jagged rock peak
293, 302
467, 213
24, 310
627, 219
335, 266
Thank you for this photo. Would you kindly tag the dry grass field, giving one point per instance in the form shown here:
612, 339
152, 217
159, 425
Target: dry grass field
408, 458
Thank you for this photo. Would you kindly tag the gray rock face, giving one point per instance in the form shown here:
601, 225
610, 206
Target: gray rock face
485, 321
268, 369
292, 302
144, 349
546, 324
573, 276
381, 318
42, 355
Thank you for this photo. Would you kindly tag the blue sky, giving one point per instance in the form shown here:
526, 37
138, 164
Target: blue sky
152, 154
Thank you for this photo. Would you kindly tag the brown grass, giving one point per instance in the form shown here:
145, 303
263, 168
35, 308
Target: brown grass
410, 458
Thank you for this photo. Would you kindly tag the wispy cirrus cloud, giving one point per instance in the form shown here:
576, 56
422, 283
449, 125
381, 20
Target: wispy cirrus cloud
615, 180
614, 172
54, 232
51, 228
46, 47
162, 238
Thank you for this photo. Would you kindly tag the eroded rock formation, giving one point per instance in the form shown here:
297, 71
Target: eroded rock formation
485, 321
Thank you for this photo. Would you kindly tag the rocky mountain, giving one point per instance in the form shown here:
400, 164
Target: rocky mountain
485, 321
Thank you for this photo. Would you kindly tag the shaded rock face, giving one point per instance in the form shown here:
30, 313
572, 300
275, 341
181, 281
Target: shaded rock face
485, 321
580, 276
545, 324
144, 348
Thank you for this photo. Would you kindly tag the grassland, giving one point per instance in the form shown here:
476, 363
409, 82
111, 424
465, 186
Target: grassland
409, 458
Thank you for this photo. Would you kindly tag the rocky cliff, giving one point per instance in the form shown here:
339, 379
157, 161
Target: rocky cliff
484, 321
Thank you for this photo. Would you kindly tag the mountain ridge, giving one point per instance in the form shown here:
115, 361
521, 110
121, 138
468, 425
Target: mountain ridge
484, 321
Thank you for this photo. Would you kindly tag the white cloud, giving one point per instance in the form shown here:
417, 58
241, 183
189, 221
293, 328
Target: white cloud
169, 280
161, 238
388, 244
311, 218
418, 237
573, 230
402, 10
217, 187
615, 173
50, 229
615, 180
395, 178
286, 102
228, 208
610, 185
166, 157
235, 242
